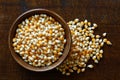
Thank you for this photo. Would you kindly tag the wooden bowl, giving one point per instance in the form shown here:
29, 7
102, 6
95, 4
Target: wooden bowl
30, 13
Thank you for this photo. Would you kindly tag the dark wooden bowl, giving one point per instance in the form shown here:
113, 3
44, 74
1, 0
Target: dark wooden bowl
21, 18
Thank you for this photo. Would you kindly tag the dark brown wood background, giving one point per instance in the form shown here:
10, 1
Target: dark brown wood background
106, 13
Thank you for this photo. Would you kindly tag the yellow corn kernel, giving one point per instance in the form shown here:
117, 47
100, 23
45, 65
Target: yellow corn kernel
109, 43
89, 23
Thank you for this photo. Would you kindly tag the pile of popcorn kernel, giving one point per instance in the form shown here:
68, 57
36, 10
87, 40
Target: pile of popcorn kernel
39, 40
85, 46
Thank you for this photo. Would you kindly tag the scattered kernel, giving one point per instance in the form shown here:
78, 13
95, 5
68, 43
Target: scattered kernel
104, 34
90, 66
85, 46
109, 43
67, 74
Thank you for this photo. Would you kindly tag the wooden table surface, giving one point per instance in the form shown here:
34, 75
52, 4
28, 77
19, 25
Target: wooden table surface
106, 13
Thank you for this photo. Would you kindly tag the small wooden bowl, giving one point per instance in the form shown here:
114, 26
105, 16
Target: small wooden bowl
21, 18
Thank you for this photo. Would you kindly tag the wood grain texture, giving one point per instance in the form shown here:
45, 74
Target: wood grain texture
106, 13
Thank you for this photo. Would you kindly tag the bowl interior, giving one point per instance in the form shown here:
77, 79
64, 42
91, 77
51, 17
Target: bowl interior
30, 13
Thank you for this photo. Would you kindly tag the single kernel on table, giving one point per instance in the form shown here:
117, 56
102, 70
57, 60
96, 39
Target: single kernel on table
109, 43
104, 34
85, 46
90, 66
38, 42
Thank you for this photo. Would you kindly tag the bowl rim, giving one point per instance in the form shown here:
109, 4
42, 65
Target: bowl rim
67, 45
